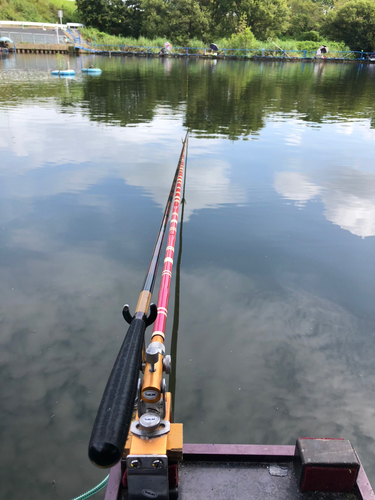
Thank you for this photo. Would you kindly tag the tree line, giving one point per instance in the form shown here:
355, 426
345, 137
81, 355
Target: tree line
349, 21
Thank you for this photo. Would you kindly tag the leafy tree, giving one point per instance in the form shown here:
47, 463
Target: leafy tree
306, 15
179, 20
94, 13
244, 37
223, 17
265, 17
353, 23
112, 16
126, 17
154, 18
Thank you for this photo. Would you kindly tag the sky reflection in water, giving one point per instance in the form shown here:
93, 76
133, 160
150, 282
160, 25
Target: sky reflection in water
277, 279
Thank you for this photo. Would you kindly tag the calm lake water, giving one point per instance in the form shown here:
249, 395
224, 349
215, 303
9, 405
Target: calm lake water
276, 332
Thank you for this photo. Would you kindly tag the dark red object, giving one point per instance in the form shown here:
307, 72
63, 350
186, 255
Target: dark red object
125, 479
173, 476
326, 464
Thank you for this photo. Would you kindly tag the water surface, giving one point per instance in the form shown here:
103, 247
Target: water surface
276, 305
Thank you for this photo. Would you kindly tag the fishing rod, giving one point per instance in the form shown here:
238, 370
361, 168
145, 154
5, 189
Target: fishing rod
153, 385
111, 426
176, 311
154, 443
269, 39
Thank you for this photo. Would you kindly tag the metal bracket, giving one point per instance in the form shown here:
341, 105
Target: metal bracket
151, 416
164, 428
152, 354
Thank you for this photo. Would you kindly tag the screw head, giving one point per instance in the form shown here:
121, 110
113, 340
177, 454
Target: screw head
157, 464
135, 464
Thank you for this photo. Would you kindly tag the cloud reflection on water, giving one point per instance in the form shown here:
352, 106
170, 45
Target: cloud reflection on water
282, 363
347, 194
72, 164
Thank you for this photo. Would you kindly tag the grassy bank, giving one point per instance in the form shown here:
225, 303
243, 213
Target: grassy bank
98, 37
46, 11
37, 10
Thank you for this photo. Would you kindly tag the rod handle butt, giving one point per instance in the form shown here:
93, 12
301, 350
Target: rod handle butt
111, 426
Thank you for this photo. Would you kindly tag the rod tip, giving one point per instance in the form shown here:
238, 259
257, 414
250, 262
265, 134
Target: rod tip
104, 455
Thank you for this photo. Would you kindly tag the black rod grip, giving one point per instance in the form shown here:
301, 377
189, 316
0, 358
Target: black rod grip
114, 415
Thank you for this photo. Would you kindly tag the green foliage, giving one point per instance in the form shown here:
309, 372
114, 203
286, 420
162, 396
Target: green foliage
94, 13
310, 45
265, 17
244, 38
195, 42
353, 23
242, 24
310, 35
105, 38
116, 17
306, 16
100, 37
179, 20
37, 10
69, 9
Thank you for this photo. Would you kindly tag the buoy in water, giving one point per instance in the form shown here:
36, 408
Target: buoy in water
92, 70
63, 72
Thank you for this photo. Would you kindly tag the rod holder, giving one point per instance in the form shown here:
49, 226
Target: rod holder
149, 319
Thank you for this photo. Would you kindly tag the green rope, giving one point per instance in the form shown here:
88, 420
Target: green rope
94, 490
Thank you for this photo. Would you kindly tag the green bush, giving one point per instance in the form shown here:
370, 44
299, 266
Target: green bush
308, 45
195, 42
312, 36
222, 43
244, 38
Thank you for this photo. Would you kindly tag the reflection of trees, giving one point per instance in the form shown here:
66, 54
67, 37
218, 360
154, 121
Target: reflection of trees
235, 98
230, 98
24, 90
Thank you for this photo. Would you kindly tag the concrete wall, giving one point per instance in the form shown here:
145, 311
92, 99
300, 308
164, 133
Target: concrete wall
37, 47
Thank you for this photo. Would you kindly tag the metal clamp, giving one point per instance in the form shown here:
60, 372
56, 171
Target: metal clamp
151, 416
147, 476
152, 354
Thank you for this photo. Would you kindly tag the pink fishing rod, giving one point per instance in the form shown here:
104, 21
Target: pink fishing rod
152, 380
